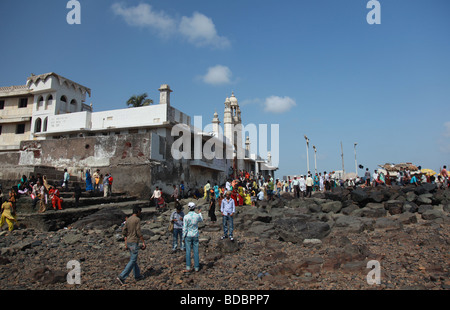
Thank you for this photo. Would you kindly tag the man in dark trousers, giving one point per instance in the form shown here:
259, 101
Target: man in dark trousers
132, 234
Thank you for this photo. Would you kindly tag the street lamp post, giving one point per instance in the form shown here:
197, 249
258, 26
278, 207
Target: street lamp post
342, 155
315, 159
356, 163
307, 153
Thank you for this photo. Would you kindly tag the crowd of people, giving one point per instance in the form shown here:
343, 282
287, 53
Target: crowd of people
45, 195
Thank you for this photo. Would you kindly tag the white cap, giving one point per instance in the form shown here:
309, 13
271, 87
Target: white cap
191, 206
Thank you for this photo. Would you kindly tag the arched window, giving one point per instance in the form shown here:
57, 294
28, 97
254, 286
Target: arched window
40, 102
48, 101
45, 124
73, 105
37, 125
64, 106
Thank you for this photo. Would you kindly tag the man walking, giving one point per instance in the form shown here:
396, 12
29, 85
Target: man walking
132, 233
227, 208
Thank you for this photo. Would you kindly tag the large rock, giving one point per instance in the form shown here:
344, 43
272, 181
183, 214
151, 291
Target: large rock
360, 196
433, 214
354, 224
332, 206
102, 219
227, 246
373, 210
297, 229
394, 206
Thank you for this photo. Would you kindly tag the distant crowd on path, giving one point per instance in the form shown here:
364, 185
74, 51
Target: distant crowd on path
248, 189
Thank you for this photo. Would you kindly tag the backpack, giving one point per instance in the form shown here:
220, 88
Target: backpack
110, 180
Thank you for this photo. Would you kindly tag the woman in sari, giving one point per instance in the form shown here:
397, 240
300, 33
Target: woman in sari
89, 186
241, 195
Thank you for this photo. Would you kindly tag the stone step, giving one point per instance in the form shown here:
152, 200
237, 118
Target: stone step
52, 220
24, 204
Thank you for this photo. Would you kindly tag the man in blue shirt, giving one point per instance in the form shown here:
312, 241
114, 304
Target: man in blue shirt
190, 236
227, 208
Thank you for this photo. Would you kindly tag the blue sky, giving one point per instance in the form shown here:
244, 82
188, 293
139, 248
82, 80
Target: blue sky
315, 67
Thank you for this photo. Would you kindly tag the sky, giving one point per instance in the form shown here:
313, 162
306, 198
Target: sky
312, 67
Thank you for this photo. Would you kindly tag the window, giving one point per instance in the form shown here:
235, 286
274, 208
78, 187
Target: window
38, 125
2, 104
23, 102
20, 129
0, 130
64, 99
45, 124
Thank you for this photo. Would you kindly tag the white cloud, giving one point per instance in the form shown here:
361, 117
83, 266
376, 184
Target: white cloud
201, 31
275, 104
198, 30
144, 16
217, 75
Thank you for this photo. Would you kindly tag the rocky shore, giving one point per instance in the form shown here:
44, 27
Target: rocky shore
319, 243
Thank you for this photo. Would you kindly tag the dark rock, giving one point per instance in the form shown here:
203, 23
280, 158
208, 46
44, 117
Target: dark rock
47, 276
103, 219
297, 229
394, 206
360, 196
423, 208
373, 210
227, 246
432, 214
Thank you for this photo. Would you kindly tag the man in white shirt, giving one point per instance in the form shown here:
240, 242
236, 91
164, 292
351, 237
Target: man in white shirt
374, 178
302, 184
309, 185
228, 185
227, 208
156, 195
296, 186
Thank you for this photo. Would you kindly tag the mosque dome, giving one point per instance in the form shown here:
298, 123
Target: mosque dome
233, 100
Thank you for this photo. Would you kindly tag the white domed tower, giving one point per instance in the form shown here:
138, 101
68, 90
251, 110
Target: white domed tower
233, 132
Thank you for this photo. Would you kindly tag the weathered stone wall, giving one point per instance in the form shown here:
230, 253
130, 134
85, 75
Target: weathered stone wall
128, 157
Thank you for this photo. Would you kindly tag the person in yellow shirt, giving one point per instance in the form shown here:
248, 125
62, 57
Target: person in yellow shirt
248, 200
7, 215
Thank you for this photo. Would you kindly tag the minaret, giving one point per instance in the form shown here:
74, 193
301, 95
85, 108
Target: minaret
216, 124
247, 147
164, 94
228, 121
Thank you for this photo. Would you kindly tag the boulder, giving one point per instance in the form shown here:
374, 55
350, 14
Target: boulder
425, 199
353, 223
227, 246
297, 229
47, 276
406, 218
332, 206
373, 210
394, 206
433, 214
360, 196
385, 222
102, 219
